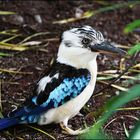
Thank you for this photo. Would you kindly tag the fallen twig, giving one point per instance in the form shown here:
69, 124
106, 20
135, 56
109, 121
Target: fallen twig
115, 86
14, 72
134, 57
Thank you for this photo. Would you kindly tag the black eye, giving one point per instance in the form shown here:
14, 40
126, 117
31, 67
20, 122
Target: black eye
85, 41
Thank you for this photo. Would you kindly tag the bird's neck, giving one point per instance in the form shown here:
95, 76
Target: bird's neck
81, 60
92, 67
81, 63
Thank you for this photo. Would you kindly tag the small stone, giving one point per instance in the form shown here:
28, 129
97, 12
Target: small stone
58, 15
38, 19
131, 126
117, 92
16, 19
26, 59
78, 13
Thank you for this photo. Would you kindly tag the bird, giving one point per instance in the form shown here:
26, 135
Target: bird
62, 92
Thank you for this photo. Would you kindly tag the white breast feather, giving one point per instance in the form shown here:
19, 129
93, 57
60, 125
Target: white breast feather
72, 107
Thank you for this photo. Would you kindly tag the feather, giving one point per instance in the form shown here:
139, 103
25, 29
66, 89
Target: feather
7, 122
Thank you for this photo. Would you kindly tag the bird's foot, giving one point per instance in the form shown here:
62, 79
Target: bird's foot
69, 131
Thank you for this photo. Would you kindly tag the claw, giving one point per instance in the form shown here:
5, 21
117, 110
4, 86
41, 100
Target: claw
65, 132
80, 114
69, 131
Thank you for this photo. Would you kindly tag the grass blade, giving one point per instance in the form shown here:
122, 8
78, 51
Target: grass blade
116, 6
111, 107
34, 35
4, 54
14, 72
134, 49
9, 32
125, 130
131, 26
135, 134
41, 131
89, 14
129, 108
6, 13
86, 15
10, 38
115, 86
9, 134
13, 47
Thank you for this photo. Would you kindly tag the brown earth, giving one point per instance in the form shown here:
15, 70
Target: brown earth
17, 87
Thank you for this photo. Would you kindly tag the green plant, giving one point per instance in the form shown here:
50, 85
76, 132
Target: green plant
132, 26
134, 49
111, 107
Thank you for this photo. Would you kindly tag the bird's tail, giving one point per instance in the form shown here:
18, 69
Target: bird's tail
8, 122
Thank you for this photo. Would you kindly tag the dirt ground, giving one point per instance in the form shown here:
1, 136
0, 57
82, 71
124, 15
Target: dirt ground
37, 16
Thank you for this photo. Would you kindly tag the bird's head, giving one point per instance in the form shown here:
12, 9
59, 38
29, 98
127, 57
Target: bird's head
81, 45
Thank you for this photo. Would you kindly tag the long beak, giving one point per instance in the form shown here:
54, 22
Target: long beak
107, 47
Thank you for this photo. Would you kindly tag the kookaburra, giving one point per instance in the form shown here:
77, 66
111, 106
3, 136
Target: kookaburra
61, 93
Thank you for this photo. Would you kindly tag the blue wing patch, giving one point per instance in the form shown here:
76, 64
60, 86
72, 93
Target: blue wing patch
68, 89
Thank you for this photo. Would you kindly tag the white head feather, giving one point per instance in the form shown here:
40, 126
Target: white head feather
73, 52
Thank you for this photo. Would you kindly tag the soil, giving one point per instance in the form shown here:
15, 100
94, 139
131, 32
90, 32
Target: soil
38, 16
